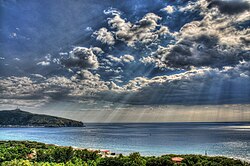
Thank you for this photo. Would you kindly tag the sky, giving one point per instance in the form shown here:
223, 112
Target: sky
127, 61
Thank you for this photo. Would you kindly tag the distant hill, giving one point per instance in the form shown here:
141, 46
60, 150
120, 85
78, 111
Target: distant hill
19, 118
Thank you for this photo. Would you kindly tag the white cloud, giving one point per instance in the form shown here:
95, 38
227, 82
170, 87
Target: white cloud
124, 58
144, 31
17, 59
112, 11
63, 53
127, 58
39, 76
169, 9
113, 58
105, 36
88, 29
46, 61
43, 63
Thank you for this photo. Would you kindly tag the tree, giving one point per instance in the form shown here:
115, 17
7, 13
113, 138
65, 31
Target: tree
17, 163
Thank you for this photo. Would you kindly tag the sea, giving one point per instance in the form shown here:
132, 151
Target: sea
150, 139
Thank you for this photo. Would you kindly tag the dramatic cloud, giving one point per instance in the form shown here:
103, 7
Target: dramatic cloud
180, 52
145, 31
214, 41
19, 87
82, 57
197, 86
230, 6
83, 84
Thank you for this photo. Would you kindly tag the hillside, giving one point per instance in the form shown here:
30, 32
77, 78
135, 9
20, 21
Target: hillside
17, 117
27, 153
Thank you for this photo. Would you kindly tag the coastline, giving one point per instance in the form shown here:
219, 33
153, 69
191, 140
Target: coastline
99, 150
108, 153
93, 149
33, 153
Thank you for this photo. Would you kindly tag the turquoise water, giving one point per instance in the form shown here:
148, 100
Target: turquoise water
227, 139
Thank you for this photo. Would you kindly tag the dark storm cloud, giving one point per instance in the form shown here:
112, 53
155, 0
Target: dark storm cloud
230, 6
213, 41
201, 50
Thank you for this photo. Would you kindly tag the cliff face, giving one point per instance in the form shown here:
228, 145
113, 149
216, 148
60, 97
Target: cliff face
18, 117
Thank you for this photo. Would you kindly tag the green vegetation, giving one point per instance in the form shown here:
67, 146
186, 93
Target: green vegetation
9, 118
26, 153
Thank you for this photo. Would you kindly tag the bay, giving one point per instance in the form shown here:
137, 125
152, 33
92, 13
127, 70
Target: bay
224, 139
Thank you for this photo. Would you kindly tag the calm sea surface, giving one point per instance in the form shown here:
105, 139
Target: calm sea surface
227, 139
